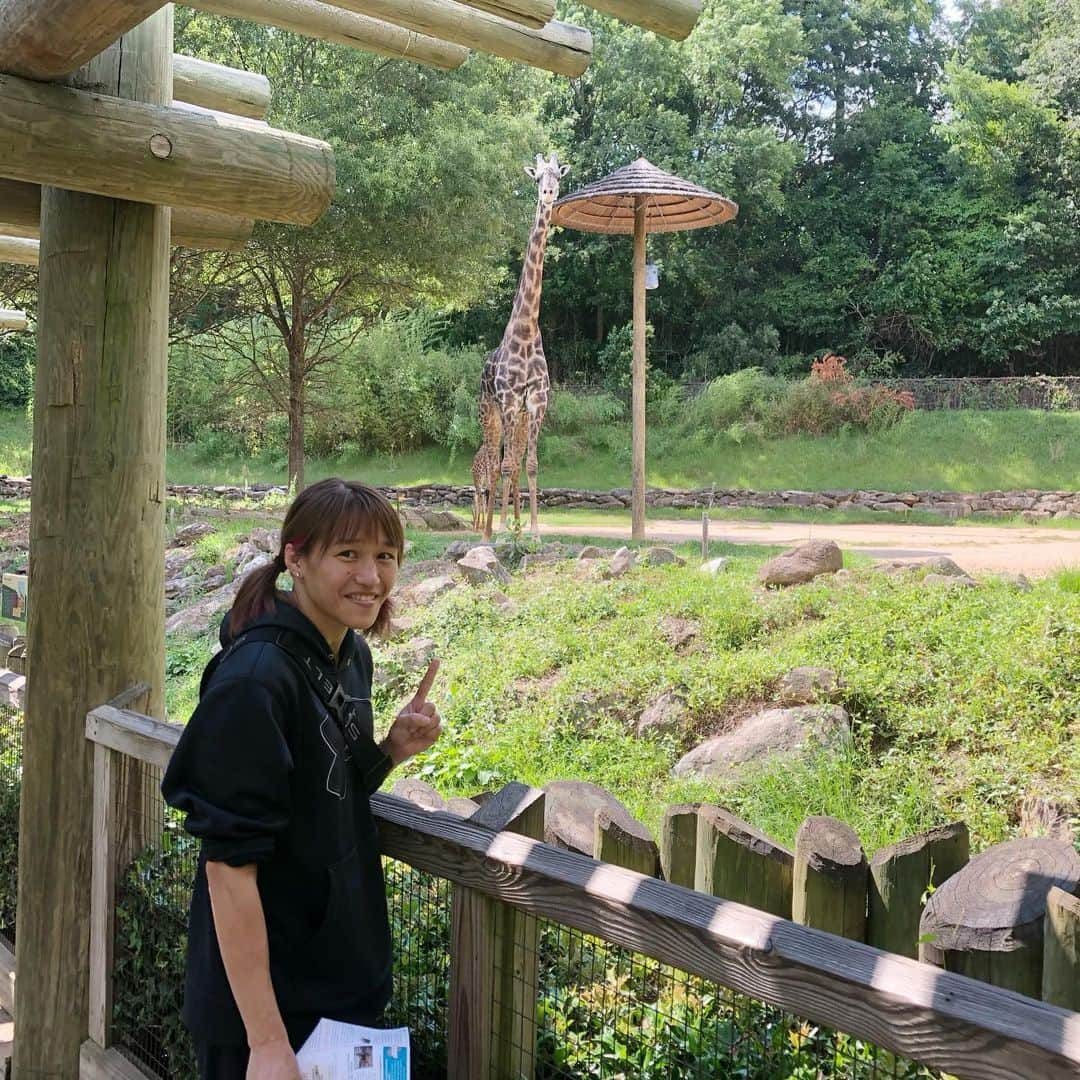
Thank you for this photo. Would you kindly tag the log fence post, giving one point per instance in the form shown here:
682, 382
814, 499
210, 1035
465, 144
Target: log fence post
829, 888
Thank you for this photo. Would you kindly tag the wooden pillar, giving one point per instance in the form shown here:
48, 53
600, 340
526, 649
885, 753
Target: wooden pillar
1061, 950
678, 844
632, 849
830, 876
96, 546
637, 513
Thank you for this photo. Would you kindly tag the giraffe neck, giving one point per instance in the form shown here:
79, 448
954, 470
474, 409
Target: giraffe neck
524, 316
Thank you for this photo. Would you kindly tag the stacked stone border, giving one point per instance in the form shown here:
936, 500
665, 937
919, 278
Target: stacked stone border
1032, 504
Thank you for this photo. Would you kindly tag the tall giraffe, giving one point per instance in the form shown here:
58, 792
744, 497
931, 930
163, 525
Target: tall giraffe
514, 387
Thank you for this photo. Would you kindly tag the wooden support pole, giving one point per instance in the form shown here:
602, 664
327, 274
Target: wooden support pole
737, 862
557, 47
829, 888
987, 921
223, 89
311, 18
900, 876
669, 18
535, 13
637, 379
494, 974
18, 250
96, 546
202, 230
678, 844
46, 39
1061, 950
12, 320
153, 154
632, 850
102, 895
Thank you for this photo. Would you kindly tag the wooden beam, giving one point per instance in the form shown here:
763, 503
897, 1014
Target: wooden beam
535, 13
46, 39
12, 320
557, 47
149, 153
18, 250
202, 230
669, 18
942, 1020
223, 89
132, 734
314, 19
97, 527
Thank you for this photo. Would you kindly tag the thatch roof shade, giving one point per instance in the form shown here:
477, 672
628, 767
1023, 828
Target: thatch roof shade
673, 204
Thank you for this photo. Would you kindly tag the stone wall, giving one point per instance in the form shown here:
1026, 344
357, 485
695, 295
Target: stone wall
1032, 504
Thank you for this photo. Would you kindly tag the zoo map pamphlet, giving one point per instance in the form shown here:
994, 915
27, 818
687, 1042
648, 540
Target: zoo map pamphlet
336, 1051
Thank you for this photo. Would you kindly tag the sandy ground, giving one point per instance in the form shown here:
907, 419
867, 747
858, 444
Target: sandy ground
976, 548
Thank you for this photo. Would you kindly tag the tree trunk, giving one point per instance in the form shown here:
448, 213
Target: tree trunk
96, 545
296, 408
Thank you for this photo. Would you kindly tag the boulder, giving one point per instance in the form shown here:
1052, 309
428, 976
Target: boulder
1019, 582
182, 586
215, 577
621, 561
481, 565
663, 556
591, 551
416, 791
459, 548
188, 534
806, 685
442, 520
713, 566
411, 518
666, 715
802, 564
951, 581
268, 540
570, 814
250, 558
176, 560
424, 592
767, 736
198, 617
678, 631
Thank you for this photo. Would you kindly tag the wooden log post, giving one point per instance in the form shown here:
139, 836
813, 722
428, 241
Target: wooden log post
150, 153
223, 89
96, 544
830, 876
737, 862
311, 18
637, 377
201, 230
494, 976
900, 876
1061, 950
678, 844
631, 849
669, 18
987, 921
533, 13
12, 320
18, 250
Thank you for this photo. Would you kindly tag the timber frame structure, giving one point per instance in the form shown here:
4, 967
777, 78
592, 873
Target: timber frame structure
111, 150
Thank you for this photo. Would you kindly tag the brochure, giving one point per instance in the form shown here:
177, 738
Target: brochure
337, 1051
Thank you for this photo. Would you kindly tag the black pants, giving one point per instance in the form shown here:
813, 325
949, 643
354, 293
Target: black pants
218, 1062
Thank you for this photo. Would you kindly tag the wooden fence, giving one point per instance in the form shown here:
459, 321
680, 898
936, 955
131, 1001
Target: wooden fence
945, 1021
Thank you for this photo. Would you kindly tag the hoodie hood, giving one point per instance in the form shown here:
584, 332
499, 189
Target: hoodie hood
286, 615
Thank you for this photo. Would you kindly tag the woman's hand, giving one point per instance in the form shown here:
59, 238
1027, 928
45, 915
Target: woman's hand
417, 726
273, 1061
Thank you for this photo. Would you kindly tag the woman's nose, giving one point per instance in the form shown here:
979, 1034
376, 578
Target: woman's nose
366, 571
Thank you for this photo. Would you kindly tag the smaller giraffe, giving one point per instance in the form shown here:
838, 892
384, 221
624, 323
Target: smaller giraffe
485, 474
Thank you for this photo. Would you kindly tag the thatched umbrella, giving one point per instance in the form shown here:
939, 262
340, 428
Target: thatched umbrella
640, 198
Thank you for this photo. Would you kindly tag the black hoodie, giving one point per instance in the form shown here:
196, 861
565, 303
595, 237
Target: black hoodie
264, 776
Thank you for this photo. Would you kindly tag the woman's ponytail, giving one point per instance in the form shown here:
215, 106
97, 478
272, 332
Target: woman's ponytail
255, 596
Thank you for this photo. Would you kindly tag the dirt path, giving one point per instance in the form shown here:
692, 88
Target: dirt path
975, 547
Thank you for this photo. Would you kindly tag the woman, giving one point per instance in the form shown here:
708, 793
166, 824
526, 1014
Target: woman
274, 771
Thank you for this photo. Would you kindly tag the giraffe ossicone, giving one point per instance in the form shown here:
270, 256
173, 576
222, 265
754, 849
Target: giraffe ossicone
514, 385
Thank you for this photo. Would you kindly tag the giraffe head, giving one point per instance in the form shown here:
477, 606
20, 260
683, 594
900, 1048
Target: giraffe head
547, 174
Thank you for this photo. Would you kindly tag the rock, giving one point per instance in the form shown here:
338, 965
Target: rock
942, 564
481, 565
583, 708
459, 548
539, 559
198, 616
424, 592
215, 577
663, 556
950, 580
570, 814
679, 632
411, 518
250, 558
462, 807
666, 715
188, 534
802, 563
182, 586
417, 653
1019, 582
176, 560
591, 551
416, 791
399, 626
442, 520
766, 736
713, 566
621, 561
806, 685
268, 540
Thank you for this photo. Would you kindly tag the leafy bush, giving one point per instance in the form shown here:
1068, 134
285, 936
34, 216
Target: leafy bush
16, 370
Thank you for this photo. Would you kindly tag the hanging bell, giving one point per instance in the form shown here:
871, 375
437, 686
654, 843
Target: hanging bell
652, 276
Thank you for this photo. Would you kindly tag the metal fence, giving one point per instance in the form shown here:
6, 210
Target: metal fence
11, 735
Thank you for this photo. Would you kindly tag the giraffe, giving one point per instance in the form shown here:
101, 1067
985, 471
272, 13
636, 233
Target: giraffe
485, 473
514, 386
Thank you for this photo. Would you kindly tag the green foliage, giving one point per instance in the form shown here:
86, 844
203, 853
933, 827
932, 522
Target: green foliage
17, 355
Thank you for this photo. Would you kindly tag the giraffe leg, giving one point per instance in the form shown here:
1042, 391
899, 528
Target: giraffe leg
493, 437
521, 436
536, 420
509, 421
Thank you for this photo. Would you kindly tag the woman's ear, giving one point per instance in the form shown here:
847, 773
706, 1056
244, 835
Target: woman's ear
292, 561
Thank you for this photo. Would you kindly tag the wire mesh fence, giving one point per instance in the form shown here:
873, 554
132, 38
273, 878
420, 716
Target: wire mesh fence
11, 735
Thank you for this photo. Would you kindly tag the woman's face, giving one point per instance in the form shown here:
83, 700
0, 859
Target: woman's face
346, 585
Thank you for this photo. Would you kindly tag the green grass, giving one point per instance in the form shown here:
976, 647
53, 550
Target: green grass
949, 450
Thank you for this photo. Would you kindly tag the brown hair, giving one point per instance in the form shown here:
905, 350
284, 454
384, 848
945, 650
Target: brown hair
319, 516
